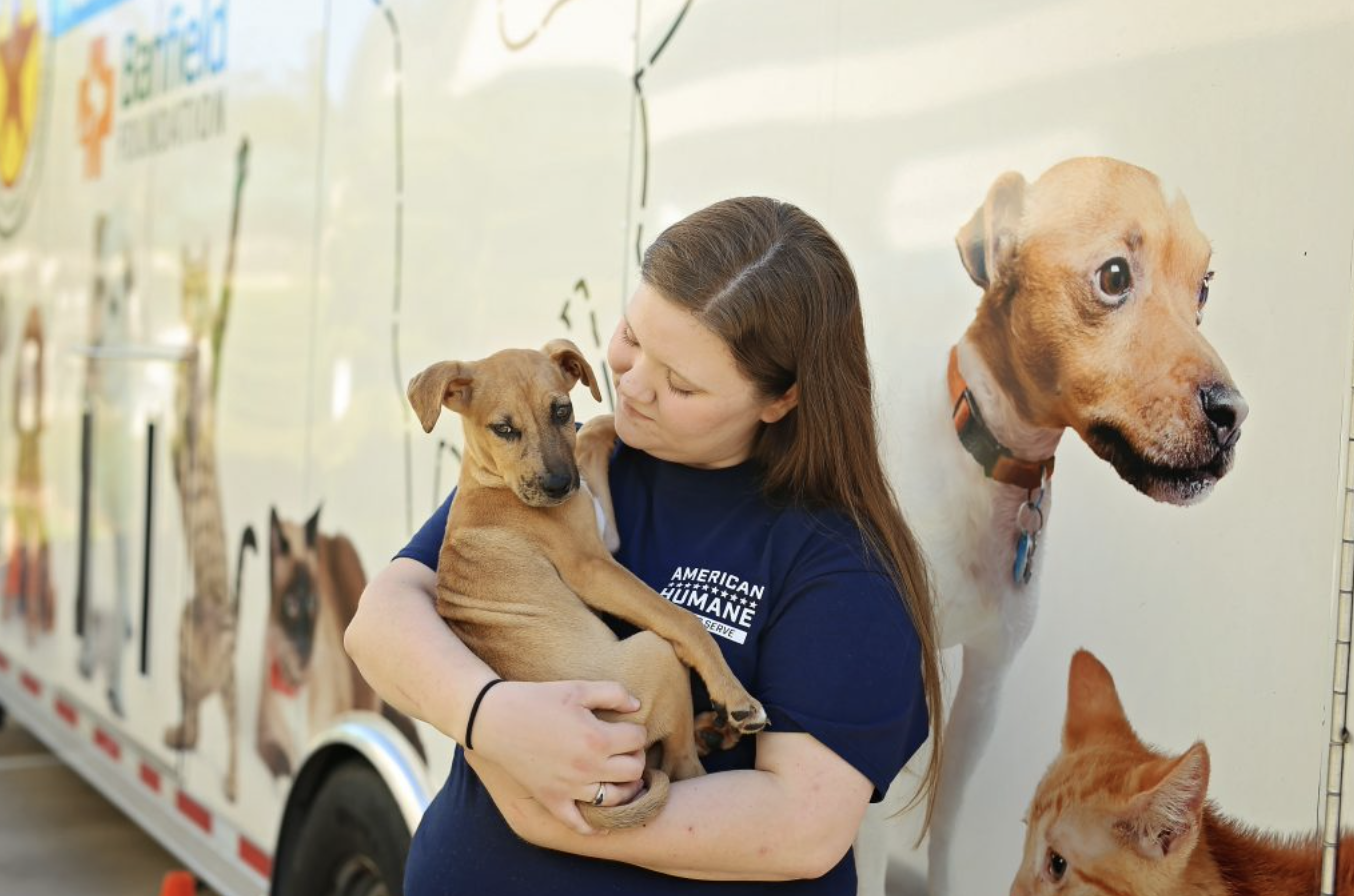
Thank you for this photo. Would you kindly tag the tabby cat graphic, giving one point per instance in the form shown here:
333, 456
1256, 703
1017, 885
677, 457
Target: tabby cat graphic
207, 630
1114, 817
316, 581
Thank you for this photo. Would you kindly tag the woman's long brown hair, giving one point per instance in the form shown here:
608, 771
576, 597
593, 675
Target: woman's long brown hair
777, 289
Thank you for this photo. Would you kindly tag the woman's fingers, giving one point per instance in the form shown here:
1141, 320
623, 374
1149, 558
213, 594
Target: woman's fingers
609, 738
567, 812
626, 767
605, 695
623, 739
614, 794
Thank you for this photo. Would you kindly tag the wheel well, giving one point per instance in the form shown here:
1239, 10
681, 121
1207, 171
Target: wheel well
314, 773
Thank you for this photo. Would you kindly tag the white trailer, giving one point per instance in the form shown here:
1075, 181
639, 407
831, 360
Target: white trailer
232, 230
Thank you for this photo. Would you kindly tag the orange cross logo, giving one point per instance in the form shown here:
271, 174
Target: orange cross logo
96, 107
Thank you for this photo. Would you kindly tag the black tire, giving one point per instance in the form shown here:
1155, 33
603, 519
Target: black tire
352, 840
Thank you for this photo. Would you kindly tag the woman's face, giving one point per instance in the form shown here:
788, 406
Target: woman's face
680, 396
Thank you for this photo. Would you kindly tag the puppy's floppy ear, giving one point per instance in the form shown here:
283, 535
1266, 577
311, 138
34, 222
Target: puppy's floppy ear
571, 361
987, 242
445, 384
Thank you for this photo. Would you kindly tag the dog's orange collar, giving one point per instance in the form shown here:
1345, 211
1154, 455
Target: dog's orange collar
995, 458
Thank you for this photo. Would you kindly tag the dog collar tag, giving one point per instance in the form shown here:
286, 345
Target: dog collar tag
1030, 522
1026, 545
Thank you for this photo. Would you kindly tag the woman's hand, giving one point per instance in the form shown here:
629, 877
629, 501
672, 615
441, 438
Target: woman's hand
544, 735
543, 742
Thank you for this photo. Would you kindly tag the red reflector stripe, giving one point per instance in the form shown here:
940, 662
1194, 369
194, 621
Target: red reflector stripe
31, 684
66, 711
4, 663
107, 744
150, 777
256, 858
195, 812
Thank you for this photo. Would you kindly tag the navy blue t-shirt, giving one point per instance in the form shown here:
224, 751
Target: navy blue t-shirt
806, 619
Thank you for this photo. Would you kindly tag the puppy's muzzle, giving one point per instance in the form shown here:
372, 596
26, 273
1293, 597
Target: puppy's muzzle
558, 486
547, 489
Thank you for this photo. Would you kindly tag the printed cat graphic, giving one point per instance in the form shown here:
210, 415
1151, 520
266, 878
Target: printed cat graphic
1113, 817
207, 630
316, 581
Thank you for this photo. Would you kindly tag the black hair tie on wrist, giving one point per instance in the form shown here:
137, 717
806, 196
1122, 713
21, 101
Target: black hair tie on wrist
475, 708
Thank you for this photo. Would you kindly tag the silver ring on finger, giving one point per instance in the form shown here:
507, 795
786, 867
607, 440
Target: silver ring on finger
600, 796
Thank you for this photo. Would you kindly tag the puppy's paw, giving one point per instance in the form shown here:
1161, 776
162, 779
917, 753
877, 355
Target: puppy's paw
746, 716
713, 732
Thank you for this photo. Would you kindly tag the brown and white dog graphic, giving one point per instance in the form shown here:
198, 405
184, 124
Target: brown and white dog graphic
1094, 281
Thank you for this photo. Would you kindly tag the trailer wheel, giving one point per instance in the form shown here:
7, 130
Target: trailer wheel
352, 840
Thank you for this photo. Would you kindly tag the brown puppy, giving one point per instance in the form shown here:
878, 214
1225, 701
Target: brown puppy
522, 566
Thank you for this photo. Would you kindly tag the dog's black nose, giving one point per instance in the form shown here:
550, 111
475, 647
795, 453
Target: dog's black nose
557, 485
1226, 410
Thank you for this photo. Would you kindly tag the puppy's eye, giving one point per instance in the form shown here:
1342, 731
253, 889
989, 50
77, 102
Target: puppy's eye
1115, 280
564, 413
503, 431
1203, 296
1056, 866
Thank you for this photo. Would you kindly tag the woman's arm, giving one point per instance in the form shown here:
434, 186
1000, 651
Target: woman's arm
794, 816
542, 734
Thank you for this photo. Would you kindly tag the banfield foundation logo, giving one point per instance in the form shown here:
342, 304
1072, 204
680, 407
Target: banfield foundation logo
165, 89
25, 75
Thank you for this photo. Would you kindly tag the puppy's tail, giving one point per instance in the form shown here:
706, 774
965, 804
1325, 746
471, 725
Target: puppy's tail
638, 811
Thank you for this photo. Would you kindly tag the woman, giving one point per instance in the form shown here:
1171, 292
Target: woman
748, 476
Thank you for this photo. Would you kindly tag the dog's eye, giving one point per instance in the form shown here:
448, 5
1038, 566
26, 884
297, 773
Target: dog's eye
1056, 866
564, 413
1115, 279
1203, 296
504, 430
